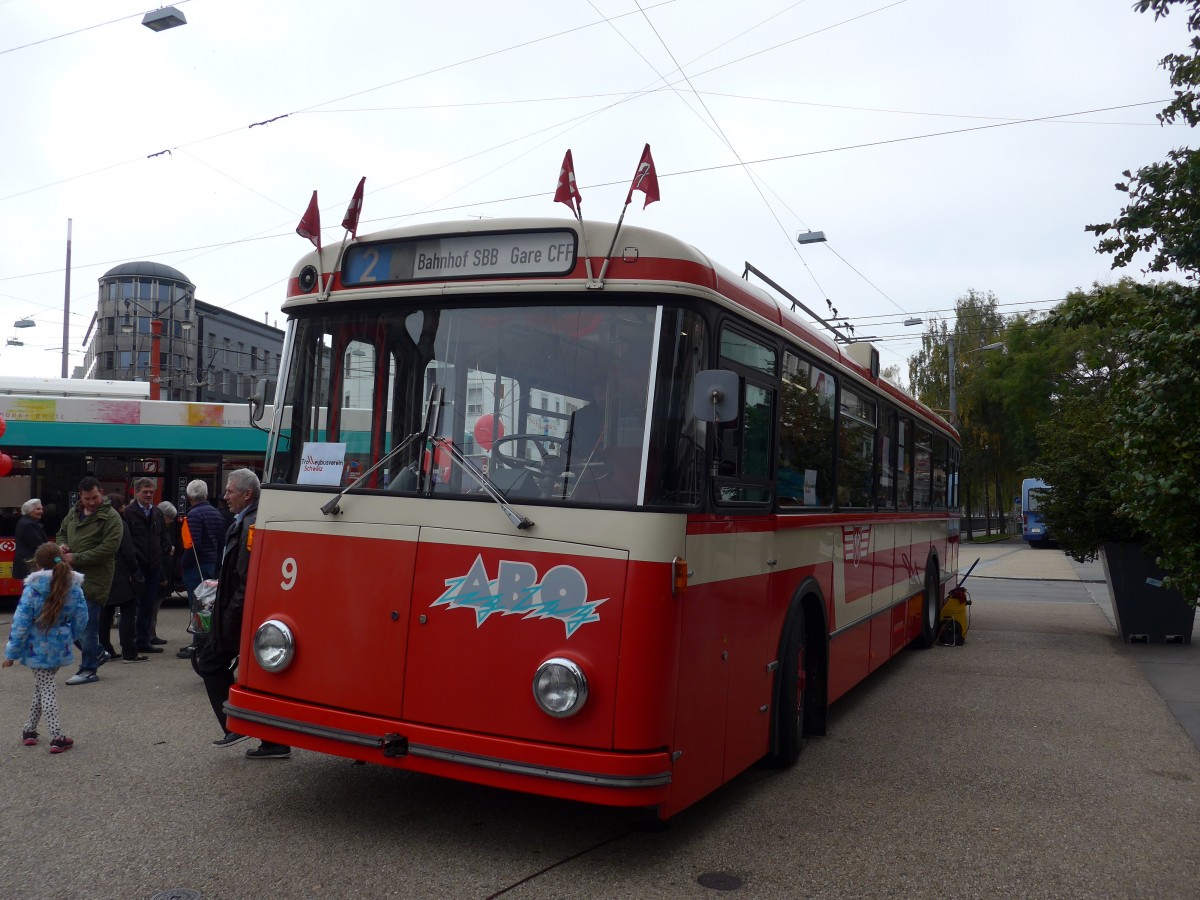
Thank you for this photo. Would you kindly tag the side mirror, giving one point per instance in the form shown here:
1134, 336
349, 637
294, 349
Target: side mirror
716, 396
258, 403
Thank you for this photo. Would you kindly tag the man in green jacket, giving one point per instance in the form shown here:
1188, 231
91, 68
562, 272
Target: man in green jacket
89, 537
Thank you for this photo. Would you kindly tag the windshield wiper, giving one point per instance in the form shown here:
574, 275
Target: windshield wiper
484, 482
331, 508
428, 434
428, 427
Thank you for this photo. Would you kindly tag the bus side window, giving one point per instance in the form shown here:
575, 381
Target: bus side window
856, 451
744, 446
939, 472
677, 464
904, 464
804, 471
923, 467
885, 465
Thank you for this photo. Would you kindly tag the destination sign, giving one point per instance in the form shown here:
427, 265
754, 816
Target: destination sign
460, 256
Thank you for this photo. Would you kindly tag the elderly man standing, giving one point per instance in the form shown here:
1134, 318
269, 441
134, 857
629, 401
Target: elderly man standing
89, 538
218, 657
206, 534
148, 528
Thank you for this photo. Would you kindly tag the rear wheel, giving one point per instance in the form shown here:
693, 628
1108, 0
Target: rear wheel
931, 611
791, 696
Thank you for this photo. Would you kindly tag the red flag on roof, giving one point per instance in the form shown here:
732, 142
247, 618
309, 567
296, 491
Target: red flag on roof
568, 191
350, 222
645, 179
310, 224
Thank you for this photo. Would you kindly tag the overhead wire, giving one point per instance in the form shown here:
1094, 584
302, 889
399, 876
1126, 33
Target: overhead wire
601, 184
729, 143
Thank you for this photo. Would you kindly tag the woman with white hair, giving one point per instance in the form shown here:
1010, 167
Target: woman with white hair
30, 535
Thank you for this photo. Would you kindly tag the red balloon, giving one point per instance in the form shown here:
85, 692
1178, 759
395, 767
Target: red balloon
6, 464
486, 430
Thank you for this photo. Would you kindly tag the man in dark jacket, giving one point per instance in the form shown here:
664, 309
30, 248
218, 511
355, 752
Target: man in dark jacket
122, 594
218, 657
89, 537
148, 528
206, 533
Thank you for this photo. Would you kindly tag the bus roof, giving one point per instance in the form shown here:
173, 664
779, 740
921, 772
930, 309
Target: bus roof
643, 260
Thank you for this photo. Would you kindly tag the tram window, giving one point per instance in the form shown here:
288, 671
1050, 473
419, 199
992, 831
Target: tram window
804, 475
923, 464
856, 451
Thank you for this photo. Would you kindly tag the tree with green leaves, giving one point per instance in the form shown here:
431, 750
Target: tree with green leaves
1125, 442
1154, 410
977, 323
1162, 215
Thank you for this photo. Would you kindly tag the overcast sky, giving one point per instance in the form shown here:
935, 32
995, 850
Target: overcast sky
894, 127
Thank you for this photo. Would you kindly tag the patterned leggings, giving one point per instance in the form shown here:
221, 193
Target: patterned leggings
45, 700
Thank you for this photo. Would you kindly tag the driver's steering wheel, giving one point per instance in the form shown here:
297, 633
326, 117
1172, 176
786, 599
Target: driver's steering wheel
550, 450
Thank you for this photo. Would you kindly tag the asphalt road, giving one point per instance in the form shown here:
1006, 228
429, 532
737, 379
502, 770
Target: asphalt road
1037, 760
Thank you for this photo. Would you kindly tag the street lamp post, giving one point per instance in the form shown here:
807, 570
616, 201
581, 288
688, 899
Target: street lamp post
156, 327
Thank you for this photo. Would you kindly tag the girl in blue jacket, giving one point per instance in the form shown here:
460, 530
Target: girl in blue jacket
49, 619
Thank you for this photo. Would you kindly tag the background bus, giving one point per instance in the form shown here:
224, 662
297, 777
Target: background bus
59, 430
1033, 525
695, 521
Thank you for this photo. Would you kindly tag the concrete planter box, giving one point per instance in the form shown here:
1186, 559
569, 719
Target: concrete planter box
1144, 610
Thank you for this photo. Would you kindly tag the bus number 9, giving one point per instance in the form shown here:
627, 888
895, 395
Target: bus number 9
289, 574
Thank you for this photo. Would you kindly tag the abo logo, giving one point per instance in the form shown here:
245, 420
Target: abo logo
562, 594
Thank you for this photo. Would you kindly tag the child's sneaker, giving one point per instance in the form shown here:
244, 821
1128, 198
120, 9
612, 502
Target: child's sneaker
61, 744
29, 738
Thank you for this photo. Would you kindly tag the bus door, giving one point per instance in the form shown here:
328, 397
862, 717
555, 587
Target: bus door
723, 719
350, 584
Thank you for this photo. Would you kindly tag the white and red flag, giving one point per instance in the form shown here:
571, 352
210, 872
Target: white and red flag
310, 224
350, 222
645, 179
568, 191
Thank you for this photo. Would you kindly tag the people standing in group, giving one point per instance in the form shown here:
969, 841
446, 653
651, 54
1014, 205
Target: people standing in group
122, 594
205, 531
148, 527
50, 616
170, 561
30, 534
89, 538
218, 656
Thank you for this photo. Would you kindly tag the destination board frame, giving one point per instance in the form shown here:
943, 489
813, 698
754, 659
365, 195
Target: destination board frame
535, 252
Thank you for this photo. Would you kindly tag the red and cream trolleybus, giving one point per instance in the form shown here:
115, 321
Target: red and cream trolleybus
610, 533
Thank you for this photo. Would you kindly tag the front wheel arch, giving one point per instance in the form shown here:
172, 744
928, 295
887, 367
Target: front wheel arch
796, 716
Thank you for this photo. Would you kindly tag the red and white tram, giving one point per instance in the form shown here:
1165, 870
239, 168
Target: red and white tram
613, 541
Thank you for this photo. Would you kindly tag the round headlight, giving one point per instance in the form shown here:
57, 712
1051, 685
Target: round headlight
274, 646
560, 688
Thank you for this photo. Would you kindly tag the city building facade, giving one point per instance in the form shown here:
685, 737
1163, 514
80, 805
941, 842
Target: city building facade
206, 354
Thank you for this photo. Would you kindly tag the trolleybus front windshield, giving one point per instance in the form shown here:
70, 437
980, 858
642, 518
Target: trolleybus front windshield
549, 403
